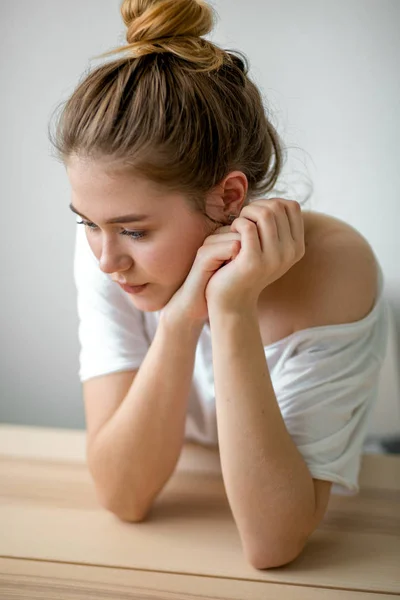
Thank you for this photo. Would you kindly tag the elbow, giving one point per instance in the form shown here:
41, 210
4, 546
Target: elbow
128, 509
273, 559
127, 512
274, 554
115, 499
130, 517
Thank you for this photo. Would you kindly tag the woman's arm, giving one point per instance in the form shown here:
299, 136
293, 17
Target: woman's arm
135, 452
133, 455
268, 484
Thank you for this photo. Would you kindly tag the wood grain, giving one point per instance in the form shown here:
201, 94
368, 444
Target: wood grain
52, 527
47, 581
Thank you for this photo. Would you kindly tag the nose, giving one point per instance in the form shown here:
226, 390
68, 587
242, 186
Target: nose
113, 259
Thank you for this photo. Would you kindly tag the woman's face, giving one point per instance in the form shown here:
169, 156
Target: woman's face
162, 246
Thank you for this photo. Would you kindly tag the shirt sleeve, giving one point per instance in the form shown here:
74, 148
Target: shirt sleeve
326, 389
111, 330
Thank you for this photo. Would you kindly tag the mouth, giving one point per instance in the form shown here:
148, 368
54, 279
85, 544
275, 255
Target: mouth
133, 289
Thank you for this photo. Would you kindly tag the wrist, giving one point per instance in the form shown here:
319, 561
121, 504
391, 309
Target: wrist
181, 324
241, 309
229, 327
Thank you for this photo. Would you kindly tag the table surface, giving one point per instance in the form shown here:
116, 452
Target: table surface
57, 541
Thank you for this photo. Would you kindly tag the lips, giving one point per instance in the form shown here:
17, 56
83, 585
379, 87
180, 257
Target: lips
133, 289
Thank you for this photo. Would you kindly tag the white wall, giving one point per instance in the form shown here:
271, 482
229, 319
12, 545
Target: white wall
330, 72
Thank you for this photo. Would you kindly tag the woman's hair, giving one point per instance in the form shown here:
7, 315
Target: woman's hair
175, 108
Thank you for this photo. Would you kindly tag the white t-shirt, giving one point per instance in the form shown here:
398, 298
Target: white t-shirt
325, 378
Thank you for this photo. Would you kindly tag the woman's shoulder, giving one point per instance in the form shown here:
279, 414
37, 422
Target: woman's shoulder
336, 281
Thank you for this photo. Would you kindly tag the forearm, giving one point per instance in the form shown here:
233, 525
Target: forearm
268, 484
136, 451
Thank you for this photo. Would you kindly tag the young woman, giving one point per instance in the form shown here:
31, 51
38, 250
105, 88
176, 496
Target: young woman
208, 312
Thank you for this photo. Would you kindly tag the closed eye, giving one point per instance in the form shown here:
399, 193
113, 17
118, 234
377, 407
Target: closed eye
135, 235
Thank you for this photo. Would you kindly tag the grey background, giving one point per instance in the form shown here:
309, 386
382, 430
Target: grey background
329, 72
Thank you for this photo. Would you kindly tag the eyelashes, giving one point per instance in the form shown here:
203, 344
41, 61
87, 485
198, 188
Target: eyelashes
135, 235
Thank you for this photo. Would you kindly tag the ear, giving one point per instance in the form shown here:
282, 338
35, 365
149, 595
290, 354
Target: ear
228, 196
234, 191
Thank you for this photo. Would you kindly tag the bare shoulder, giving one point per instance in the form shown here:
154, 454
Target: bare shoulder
336, 281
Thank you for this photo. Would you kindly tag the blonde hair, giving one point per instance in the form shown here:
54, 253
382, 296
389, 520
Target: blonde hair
175, 108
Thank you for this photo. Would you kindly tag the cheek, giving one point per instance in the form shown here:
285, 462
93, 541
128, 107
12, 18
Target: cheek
174, 257
165, 259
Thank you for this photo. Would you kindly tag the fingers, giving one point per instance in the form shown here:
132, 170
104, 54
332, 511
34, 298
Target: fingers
277, 219
249, 236
212, 256
264, 222
296, 221
222, 234
223, 229
293, 214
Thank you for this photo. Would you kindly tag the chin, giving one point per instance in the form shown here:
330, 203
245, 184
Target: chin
149, 304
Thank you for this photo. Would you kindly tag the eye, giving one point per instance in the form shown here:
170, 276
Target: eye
135, 235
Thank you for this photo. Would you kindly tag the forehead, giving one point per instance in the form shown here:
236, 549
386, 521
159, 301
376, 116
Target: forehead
101, 193
91, 177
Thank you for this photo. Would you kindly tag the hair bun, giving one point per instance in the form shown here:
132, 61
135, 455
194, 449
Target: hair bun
150, 21
171, 26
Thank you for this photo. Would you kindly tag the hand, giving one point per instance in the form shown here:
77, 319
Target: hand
272, 241
189, 302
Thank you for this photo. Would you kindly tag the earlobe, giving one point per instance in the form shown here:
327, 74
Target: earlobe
231, 218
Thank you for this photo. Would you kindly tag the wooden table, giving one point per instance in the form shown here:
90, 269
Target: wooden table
56, 541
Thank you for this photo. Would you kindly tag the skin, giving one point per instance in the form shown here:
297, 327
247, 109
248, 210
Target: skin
276, 534
174, 232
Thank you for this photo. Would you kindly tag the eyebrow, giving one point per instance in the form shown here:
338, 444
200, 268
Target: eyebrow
123, 219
